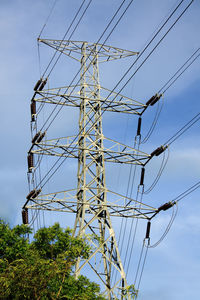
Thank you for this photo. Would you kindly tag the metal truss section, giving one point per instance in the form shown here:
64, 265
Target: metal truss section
97, 211
109, 100
113, 151
89, 201
117, 205
74, 49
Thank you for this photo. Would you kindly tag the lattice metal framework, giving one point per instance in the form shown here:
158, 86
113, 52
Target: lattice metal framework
92, 203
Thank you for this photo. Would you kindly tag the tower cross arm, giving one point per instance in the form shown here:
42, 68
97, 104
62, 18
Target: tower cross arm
112, 150
74, 48
117, 205
109, 100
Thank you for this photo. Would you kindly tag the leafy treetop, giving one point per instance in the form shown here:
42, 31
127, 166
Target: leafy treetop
42, 269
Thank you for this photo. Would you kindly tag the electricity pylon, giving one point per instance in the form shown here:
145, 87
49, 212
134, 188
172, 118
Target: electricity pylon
91, 201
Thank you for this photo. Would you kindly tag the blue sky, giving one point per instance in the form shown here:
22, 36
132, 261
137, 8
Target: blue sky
172, 269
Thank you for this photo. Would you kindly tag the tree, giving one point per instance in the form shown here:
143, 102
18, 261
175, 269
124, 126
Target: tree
42, 269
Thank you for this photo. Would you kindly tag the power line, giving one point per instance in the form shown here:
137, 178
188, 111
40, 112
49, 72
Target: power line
182, 130
154, 123
141, 53
143, 60
187, 192
48, 17
157, 115
110, 22
150, 51
127, 193
71, 24
174, 76
76, 15
78, 81
162, 167
81, 17
121, 88
174, 214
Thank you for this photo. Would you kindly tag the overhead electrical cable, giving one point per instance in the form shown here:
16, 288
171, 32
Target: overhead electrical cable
131, 177
174, 214
162, 167
70, 26
181, 131
133, 231
60, 53
43, 27
122, 87
142, 270
101, 46
140, 54
48, 17
165, 87
187, 192
154, 123
147, 57
77, 73
140, 266
143, 60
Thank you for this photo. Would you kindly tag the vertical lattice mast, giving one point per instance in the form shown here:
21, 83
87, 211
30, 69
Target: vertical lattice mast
91, 174
89, 200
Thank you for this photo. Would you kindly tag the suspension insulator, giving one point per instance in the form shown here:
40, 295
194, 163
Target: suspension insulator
148, 230
142, 176
166, 206
36, 137
25, 216
139, 126
150, 100
123, 289
33, 194
158, 151
38, 84
153, 99
41, 136
33, 108
30, 162
157, 97
43, 84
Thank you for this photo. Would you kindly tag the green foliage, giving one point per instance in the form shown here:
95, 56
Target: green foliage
53, 241
132, 291
13, 244
42, 268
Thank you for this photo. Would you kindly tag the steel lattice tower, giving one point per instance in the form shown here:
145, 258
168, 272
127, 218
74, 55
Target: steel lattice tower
91, 201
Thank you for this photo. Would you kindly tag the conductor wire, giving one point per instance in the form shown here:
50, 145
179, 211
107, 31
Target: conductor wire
174, 214
67, 33
165, 87
154, 123
124, 84
141, 53
187, 192
181, 131
45, 23
162, 167
101, 46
